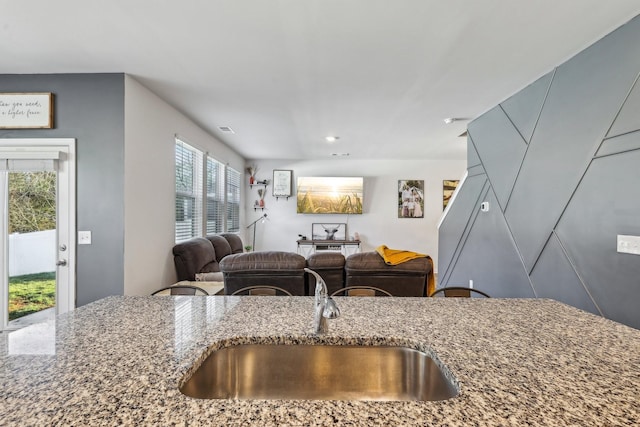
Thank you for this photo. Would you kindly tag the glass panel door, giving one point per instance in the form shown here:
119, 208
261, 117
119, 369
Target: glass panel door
37, 230
32, 246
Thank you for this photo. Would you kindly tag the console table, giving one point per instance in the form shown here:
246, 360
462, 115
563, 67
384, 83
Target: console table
347, 247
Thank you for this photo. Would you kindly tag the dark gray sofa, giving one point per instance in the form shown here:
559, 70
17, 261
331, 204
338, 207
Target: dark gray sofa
221, 258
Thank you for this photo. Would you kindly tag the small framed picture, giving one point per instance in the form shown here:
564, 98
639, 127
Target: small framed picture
448, 187
410, 198
328, 231
282, 183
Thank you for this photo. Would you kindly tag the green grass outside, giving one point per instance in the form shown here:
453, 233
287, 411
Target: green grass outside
31, 293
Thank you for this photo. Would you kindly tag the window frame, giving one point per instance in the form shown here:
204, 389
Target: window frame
225, 197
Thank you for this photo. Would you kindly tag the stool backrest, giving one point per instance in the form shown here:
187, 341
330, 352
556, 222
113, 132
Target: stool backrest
181, 290
459, 292
361, 291
266, 290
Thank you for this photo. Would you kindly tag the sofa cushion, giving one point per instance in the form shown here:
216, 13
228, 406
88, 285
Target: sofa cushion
194, 256
235, 242
220, 245
330, 266
325, 260
372, 262
262, 261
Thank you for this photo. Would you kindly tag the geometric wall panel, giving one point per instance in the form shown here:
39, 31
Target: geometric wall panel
585, 95
557, 234
524, 107
629, 118
618, 144
472, 156
607, 203
554, 277
500, 148
475, 170
453, 227
490, 259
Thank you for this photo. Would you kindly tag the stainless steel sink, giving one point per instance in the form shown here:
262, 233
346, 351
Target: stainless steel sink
319, 372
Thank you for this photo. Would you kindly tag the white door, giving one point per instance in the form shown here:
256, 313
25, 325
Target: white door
37, 255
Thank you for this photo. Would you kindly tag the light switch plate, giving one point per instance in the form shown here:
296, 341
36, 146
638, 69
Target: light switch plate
629, 244
84, 237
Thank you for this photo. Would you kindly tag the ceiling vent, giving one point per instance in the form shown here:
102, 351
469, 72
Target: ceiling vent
225, 129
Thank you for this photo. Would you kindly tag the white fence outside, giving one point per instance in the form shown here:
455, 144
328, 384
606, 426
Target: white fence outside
31, 253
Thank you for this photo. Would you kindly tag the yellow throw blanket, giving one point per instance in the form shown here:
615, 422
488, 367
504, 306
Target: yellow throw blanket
398, 256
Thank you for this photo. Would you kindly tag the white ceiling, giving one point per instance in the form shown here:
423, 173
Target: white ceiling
283, 74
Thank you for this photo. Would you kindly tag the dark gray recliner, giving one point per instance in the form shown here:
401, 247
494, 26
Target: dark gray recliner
408, 279
203, 255
271, 268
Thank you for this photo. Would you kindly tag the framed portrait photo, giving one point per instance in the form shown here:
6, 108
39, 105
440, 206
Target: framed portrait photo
411, 198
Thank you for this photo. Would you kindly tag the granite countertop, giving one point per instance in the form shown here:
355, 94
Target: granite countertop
119, 361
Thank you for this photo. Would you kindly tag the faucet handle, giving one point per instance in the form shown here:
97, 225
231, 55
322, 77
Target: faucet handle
331, 310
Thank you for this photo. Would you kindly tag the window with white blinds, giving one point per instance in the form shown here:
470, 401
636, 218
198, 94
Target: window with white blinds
215, 196
233, 200
189, 173
207, 194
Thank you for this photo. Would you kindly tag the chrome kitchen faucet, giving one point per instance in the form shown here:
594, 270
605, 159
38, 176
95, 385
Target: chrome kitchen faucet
324, 306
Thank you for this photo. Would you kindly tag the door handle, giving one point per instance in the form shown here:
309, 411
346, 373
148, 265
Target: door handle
62, 262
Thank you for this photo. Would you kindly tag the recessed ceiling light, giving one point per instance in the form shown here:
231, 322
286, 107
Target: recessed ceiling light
331, 138
450, 120
225, 129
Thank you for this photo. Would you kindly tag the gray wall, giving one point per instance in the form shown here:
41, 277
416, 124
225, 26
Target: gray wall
559, 164
90, 108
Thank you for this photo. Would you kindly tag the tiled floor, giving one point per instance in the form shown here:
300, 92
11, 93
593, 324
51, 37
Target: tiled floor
30, 319
31, 334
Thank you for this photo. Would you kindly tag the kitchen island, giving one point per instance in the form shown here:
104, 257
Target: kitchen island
120, 361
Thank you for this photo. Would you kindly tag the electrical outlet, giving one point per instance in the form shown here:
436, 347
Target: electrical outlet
84, 237
629, 244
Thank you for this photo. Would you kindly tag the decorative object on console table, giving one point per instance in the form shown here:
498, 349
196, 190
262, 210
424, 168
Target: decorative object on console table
282, 183
26, 110
448, 187
327, 231
410, 198
252, 170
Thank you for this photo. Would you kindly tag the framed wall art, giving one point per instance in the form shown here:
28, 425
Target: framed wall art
26, 110
411, 198
330, 195
282, 183
329, 231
